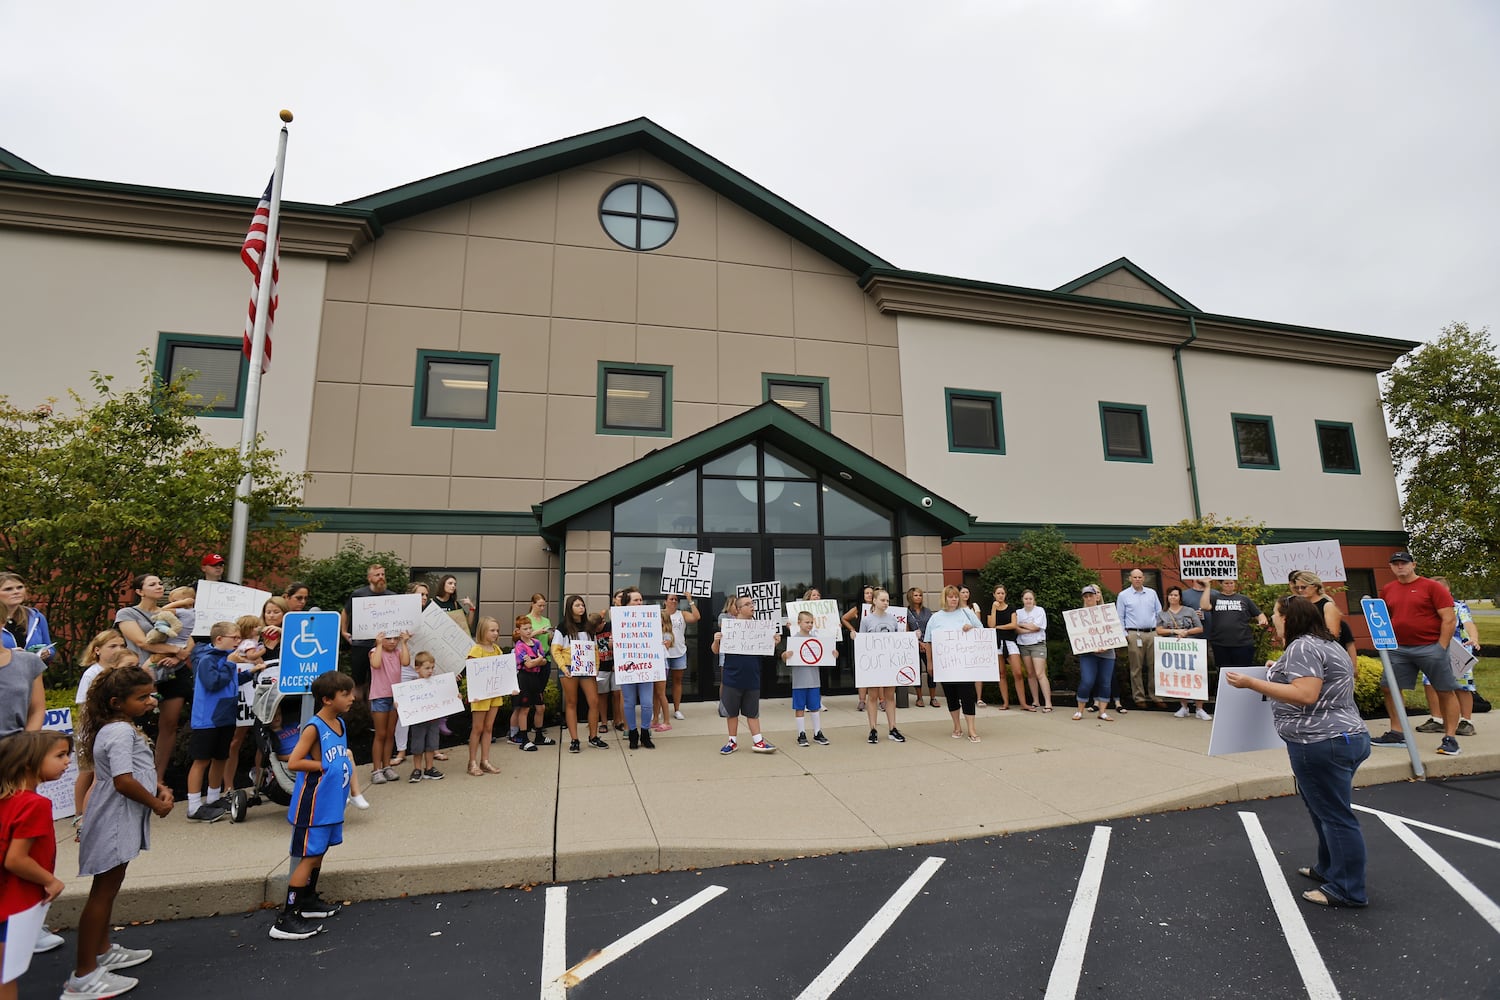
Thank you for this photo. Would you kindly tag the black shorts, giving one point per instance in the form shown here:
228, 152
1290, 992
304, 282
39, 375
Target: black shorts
210, 744
531, 684
179, 685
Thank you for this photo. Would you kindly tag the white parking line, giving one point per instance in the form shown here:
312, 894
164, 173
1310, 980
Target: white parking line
1482, 904
554, 943
1433, 827
1068, 966
1309, 961
859, 946
637, 937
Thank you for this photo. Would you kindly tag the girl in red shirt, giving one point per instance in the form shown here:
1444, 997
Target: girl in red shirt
26, 837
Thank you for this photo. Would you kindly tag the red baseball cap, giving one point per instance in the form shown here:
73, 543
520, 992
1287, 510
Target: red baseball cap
213, 559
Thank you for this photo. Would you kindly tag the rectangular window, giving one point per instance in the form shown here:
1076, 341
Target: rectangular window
214, 369
1360, 583
1152, 581
975, 423
455, 389
1336, 447
1254, 441
1127, 434
803, 395
635, 399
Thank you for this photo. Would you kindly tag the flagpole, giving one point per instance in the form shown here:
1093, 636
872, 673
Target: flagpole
240, 527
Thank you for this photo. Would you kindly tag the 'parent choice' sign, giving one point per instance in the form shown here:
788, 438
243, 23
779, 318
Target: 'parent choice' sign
388, 613
885, 659
1092, 630
749, 637
225, 602
1208, 562
637, 644
965, 656
1325, 559
1182, 668
767, 599
686, 572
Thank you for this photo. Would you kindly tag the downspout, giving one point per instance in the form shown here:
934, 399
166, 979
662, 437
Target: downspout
1187, 427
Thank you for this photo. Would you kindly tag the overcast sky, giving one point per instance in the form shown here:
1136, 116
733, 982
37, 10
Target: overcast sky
1325, 163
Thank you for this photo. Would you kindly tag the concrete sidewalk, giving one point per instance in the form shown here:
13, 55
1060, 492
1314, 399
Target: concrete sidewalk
552, 815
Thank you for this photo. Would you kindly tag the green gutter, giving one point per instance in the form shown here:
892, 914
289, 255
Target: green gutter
1187, 426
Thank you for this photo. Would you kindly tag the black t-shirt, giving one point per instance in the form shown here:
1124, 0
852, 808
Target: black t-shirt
365, 591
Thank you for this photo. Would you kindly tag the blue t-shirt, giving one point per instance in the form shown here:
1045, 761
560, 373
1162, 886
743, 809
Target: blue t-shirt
742, 671
319, 797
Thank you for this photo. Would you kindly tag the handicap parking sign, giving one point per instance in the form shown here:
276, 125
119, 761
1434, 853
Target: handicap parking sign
1379, 619
309, 647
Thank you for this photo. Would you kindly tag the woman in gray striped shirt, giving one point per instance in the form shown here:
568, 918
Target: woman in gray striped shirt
1312, 693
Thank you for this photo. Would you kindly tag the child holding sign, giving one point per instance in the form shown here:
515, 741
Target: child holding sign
807, 694
740, 692
881, 620
390, 654
531, 680
575, 627
422, 739
484, 709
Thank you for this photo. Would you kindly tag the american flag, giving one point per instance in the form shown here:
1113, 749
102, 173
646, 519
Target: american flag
253, 253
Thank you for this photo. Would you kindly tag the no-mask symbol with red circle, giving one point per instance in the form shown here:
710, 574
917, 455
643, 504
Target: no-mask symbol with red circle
906, 675
811, 651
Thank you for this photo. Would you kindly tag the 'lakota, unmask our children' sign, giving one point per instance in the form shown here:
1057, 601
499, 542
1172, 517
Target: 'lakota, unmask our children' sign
886, 659
388, 613
636, 640
1182, 668
428, 698
748, 637
684, 571
1208, 562
767, 599
965, 656
1325, 560
1091, 630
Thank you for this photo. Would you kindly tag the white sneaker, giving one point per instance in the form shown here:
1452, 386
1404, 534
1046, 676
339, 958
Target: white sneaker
47, 942
1182, 713
678, 715
123, 958
100, 986
1203, 714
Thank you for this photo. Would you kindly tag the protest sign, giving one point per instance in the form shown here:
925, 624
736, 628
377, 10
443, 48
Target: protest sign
637, 644
1463, 661
447, 641
245, 714
894, 610
428, 698
1323, 559
1208, 562
1242, 717
767, 599
491, 676
684, 571
1091, 630
1181, 668
60, 792
810, 651
825, 616
388, 613
583, 659
22, 932
965, 656
886, 659
752, 637
225, 602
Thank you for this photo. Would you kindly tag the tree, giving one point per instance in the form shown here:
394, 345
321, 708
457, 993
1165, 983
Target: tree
1042, 561
126, 483
1443, 402
332, 579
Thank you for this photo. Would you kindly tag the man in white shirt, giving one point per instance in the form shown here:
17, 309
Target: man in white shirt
1138, 608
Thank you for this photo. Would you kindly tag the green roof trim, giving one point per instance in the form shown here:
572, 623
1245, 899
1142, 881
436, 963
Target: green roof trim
951, 281
641, 134
10, 161
1119, 534
352, 521
776, 425
1127, 265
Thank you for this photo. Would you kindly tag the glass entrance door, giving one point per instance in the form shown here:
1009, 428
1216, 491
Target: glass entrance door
737, 560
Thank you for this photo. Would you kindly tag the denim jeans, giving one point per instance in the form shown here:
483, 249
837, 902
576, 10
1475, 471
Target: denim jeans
637, 694
1325, 780
1096, 675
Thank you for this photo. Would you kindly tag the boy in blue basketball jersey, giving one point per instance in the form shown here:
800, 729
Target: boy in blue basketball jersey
325, 781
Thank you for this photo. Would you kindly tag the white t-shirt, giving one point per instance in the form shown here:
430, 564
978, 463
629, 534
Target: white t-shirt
86, 680
678, 644
1036, 616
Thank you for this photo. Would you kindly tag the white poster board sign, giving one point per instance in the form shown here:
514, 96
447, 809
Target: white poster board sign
1182, 668
1208, 561
896, 611
491, 677
225, 602
886, 659
388, 613
810, 651
444, 638
245, 713
825, 616
751, 638
1091, 630
1242, 718
767, 599
965, 656
636, 641
22, 932
427, 698
60, 792
1323, 559
684, 571
583, 659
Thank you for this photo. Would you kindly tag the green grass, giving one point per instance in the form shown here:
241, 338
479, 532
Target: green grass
1486, 679
1489, 629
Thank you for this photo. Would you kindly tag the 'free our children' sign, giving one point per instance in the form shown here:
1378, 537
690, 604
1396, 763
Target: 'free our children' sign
1208, 562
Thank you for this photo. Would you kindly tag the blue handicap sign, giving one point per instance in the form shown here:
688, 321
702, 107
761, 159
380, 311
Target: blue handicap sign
1379, 619
309, 647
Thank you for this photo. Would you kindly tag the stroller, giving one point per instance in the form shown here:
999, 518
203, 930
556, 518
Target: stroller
274, 781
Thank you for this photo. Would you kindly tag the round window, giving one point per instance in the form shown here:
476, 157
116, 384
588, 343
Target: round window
638, 216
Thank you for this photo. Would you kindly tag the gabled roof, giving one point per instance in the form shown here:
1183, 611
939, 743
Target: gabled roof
10, 161
1127, 265
774, 424
640, 134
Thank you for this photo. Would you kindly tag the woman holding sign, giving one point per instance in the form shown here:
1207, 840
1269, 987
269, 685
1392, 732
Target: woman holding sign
881, 620
1312, 693
574, 627
1183, 622
1096, 670
961, 697
170, 664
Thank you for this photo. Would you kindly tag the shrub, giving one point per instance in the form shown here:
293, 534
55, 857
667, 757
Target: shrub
1369, 687
333, 579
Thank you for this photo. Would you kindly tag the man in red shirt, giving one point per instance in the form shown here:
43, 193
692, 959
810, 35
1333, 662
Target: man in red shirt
1422, 614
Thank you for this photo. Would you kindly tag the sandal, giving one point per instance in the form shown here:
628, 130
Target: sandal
439, 755
474, 770
861, 706
1323, 899
935, 703
921, 704
1077, 716
974, 739
1310, 872
488, 768
1046, 708
956, 734
399, 759
1005, 707
1031, 708
1121, 710
1106, 717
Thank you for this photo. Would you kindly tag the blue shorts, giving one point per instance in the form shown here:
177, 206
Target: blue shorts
314, 841
382, 704
807, 699
677, 662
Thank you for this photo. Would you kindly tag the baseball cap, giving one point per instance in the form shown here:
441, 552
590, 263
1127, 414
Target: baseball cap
213, 559
1401, 557
1092, 588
